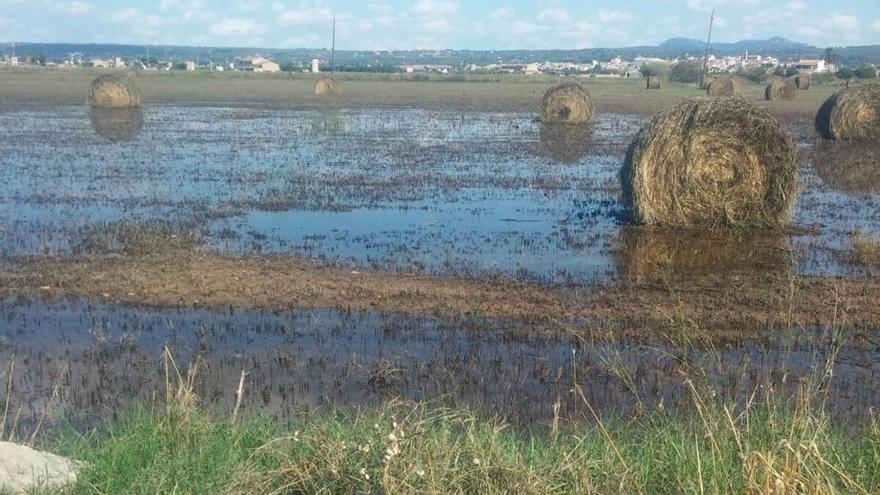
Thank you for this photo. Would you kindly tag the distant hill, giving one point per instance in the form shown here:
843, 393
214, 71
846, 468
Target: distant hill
674, 47
775, 46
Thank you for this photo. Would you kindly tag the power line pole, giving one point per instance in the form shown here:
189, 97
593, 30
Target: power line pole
706, 56
333, 48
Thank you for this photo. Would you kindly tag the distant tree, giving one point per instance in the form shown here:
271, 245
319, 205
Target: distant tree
754, 74
779, 71
831, 57
655, 70
845, 73
865, 72
687, 72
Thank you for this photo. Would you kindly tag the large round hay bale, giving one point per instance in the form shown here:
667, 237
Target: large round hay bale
803, 81
111, 91
849, 166
568, 102
566, 143
117, 124
659, 255
653, 82
852, 114
326, 86
725, 86
711, 162
780, 89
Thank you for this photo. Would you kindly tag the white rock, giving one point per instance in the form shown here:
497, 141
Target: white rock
23, 467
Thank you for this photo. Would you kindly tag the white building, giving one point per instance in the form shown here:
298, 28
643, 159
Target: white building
809, 66
316, 65
256, 64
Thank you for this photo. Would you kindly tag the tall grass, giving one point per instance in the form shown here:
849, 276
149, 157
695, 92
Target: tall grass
771, 445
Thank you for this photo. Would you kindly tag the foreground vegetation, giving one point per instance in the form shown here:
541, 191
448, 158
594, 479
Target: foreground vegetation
765, 446
402, 448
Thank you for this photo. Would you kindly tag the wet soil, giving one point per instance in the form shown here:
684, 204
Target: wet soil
724, 306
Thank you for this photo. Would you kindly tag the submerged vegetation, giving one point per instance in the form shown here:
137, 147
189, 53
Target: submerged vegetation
768, 444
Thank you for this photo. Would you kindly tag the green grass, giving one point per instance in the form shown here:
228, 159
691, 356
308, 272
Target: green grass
402, 447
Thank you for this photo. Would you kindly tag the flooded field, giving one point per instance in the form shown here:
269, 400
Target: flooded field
408, 189
85, 360
481, 196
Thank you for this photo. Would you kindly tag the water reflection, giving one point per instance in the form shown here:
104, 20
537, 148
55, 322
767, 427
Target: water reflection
117, 124
648, 255
849, 166
566, 143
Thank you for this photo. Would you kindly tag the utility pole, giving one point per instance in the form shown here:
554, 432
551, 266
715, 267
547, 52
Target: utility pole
333, 48
706, 57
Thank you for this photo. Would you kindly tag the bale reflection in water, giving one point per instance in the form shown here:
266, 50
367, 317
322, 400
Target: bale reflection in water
852, 167
117, 124
327, 123
649, 255
566, 143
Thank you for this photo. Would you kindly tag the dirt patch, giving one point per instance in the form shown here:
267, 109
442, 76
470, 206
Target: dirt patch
728, 306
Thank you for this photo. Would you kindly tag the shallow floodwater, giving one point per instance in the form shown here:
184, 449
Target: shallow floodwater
88, 360
403, 189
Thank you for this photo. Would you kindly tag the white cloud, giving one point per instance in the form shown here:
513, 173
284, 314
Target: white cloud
75, 7
708, 5
304, 15
876, 25
554, 16
247, 5
439, 8
233, 26
796, 6
612, 16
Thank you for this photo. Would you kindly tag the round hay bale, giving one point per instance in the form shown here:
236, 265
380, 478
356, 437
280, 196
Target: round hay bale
566, 143
567, 102
710, 162
111, 91
803, 81
851, 114
326, 86
652, 255
849, 166
117, 124
725, 86
780, 89
653, 82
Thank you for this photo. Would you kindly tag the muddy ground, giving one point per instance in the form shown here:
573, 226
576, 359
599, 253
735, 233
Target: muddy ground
725, 307
502, 93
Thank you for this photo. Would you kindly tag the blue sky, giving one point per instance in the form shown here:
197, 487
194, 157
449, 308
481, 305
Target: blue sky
389, 24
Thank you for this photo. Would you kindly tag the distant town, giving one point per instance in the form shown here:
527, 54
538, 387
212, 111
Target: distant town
749, 64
